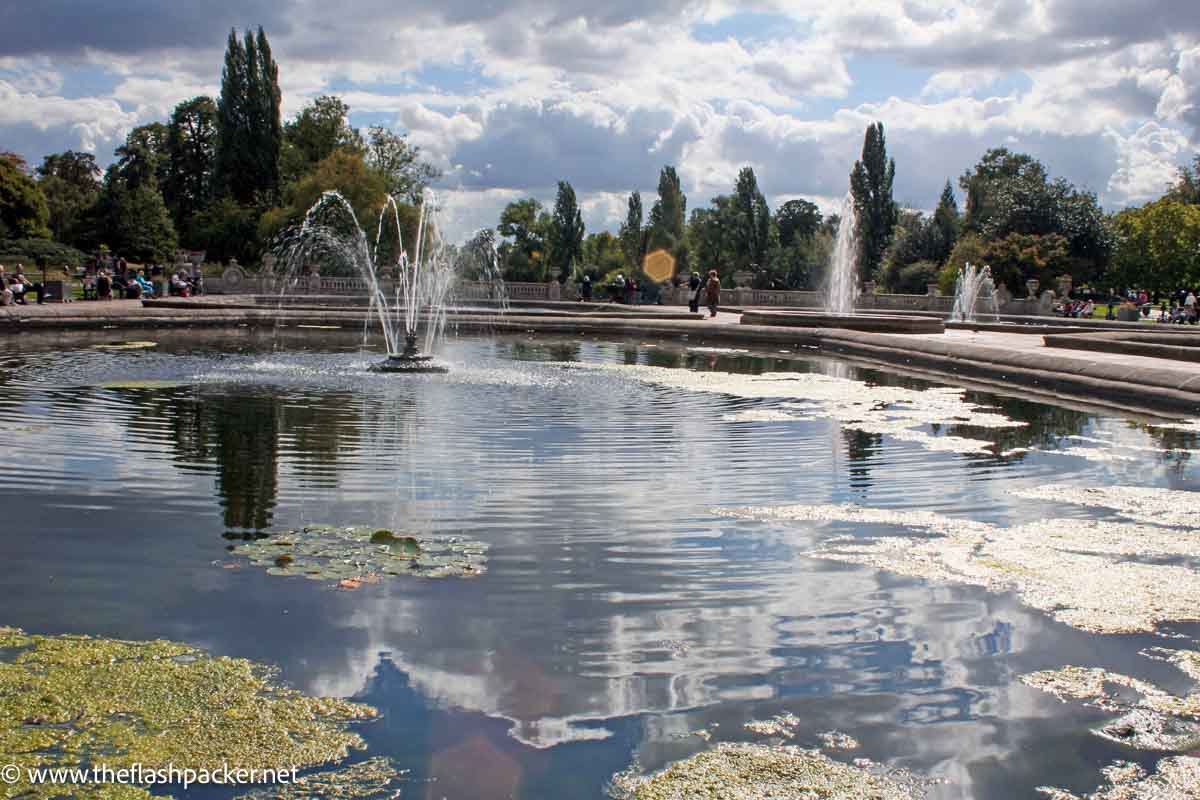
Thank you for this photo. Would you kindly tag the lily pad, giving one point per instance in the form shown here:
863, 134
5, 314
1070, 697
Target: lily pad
352, 556
69, 701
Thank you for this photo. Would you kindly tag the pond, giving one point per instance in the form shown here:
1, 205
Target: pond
657, 551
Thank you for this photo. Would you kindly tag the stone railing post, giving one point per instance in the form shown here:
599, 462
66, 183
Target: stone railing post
553, 290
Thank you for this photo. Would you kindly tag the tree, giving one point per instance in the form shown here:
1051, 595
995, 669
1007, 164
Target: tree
946, 220
754, 221
526, 223
142, 160
318, 130
249, 126
566, 232
1010, 194
68, 181
666, 229
191, 157
23, 211
229, 230
400, 163
1187, 189
796, 220
132, 219
917, 239
871, 185
344, 171
1157, 246
632, 235
602, 253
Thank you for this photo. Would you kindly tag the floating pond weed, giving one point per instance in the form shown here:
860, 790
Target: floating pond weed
68, 701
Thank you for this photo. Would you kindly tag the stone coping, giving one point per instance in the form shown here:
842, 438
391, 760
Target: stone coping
880, 323
1150, 344
1130, 385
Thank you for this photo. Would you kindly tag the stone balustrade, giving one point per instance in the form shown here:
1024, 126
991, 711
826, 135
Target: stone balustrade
237, 280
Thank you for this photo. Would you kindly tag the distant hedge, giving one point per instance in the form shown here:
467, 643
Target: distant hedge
29, 251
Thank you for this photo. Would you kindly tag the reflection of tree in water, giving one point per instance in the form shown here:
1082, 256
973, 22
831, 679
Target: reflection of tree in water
861, 449
1047, 424
240, 433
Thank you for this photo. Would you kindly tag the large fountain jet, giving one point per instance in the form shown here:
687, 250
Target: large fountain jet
419, 286
842, 285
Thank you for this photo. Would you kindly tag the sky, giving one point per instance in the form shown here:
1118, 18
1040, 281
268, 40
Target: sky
508, 98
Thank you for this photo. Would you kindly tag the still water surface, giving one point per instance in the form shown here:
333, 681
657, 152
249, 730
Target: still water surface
618, 613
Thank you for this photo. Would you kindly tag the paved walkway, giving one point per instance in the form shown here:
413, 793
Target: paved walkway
1028, 343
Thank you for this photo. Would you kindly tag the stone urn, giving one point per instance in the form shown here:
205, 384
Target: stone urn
554, 290
1032, 285
743, 278
933, 289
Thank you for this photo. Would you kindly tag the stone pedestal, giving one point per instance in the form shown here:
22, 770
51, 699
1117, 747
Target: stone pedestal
553, 291
1032, 286
933, 289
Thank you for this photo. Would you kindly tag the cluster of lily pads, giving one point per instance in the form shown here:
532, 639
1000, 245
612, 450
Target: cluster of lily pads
71, 701
361, 554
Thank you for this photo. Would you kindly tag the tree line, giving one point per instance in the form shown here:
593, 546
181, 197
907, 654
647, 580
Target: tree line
224, 175
1023, 223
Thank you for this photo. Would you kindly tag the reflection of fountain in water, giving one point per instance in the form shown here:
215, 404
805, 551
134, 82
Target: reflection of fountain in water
419, 287
974, 294
842, 285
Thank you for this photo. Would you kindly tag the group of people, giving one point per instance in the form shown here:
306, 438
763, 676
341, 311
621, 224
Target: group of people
15, 287
629, 290
1079, 308
109, 276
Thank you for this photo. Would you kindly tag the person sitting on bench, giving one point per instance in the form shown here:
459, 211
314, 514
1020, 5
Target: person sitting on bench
103, 285
180, 285
21, 286
137, 286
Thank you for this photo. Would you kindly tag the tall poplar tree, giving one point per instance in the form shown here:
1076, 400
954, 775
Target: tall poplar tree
249, 124
566, 231
633, 237
667, 215
871, 186
754, 220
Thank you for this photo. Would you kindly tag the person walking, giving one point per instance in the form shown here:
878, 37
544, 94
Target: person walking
712, 292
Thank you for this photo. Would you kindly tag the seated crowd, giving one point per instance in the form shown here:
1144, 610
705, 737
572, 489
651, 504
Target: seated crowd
14, 288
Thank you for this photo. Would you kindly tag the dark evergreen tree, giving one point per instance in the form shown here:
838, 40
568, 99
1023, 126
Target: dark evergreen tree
566, 232
945, 218
797, 220
249, 126
871, 185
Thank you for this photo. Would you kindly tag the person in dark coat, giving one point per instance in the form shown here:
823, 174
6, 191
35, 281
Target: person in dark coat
694, 284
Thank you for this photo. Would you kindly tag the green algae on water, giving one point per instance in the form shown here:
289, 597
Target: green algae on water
352, 555
69, 701
757, 772
373, 779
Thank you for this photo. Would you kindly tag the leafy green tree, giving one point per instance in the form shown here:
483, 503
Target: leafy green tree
526, 224
230, 230
666, 228
23, 210
143, 160
191, 158
249, 125
632, 234
566, 231
132, 218
871, 186
319, 129
969, 249
68, 181
1157, 246
400, 163
344, 171
796, 220
1187, 189
602, 253
917, 239
754, 221
1011, 194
